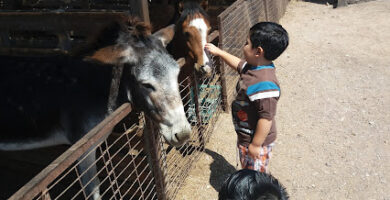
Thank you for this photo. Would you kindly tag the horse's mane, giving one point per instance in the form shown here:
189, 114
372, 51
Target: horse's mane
109, 33
191, 10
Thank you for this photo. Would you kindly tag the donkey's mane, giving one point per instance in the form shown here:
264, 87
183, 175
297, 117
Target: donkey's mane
109, 34
191, 10
136, 27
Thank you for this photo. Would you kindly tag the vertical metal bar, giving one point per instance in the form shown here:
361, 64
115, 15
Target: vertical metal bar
45, 195
81, 184
222, 67
141, 9
197, 108
137, 174
194, 83
114, 88
154, 149
266, 10
105, 161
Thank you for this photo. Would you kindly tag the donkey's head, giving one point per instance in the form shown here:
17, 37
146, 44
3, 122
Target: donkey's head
150, 76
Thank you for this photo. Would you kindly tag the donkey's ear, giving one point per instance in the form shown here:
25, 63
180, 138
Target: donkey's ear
166, 34
111, 55
107, 55
181, 62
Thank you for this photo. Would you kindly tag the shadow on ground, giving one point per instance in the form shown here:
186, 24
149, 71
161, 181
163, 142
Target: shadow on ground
322, 1
220, 169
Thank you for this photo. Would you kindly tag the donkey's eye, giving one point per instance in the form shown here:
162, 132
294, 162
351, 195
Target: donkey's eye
148, 86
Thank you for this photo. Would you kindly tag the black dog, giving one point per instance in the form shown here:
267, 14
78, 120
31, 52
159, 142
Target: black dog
248, 184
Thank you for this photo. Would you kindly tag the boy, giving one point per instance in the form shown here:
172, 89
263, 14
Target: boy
258, 92
248, 184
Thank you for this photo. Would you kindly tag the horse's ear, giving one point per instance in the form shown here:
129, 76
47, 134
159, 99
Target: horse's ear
180, 7
111, 55
205, 4
166, 34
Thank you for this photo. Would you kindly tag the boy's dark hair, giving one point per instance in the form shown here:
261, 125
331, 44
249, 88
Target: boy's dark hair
248, 184
272, 37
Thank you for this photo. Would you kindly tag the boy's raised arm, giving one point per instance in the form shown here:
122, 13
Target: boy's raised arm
230, 59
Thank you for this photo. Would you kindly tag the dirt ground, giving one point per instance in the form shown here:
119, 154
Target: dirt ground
334, 113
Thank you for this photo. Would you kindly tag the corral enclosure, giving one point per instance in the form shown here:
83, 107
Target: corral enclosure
131, 164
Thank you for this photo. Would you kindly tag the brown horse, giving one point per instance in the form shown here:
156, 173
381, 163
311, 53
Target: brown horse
192, 28
190, 37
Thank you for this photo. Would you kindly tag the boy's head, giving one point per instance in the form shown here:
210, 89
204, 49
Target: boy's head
248, 184
266, 38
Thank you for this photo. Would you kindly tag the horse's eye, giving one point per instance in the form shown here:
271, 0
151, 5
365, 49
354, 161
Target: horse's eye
187, 34
148, 86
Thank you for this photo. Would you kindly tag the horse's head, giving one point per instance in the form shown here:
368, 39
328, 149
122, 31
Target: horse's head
194, 26
149, 77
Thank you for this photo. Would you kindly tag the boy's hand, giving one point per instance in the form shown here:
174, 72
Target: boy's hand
254, 151
212, 49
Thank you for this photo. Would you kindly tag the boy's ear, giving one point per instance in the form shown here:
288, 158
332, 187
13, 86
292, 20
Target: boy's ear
259, 51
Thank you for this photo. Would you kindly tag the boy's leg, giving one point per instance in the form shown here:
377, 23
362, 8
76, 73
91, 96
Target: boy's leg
261, 164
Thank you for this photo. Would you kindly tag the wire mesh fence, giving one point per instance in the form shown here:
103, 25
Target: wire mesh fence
132, 159
234, 24
202, 111
122, 168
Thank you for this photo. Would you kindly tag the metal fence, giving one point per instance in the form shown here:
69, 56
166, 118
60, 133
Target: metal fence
136, 164
234, 24
133, 161
204, 107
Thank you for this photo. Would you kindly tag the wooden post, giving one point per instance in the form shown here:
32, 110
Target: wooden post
141, 9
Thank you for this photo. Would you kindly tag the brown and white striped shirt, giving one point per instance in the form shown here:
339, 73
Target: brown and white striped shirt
258, 92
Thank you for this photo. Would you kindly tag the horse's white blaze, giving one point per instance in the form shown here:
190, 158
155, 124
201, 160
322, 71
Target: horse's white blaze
54, 139
201, 25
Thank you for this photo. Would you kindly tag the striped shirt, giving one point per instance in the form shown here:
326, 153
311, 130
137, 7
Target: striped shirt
258, 92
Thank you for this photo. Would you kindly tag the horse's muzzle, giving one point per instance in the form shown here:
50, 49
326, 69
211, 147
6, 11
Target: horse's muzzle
205, 70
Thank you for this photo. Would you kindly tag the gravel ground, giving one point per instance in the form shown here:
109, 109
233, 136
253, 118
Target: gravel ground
334, 114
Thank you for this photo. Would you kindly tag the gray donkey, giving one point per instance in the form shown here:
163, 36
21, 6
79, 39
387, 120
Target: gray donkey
60, 102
